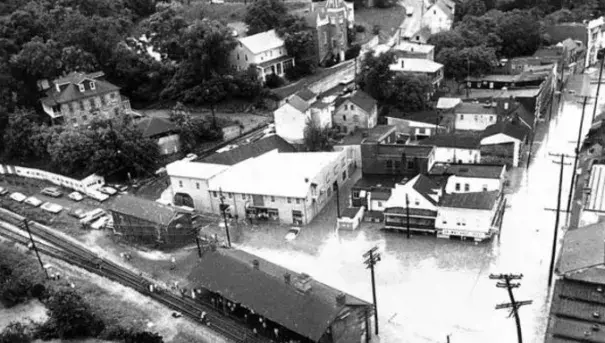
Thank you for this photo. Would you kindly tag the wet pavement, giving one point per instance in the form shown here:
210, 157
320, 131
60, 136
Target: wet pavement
429, 288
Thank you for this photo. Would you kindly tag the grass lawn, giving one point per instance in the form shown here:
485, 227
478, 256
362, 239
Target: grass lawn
389, 19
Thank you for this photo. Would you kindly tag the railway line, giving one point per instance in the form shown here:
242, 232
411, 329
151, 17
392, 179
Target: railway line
53, 245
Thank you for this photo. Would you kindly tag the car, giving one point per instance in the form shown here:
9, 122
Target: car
120, 188
52, 192
18, 197
77, 213
75, 196
292, 233
190, 157
160, 171
93, 216
108, 190
3, 191
98, 196
100, 223
33, 201
52, 208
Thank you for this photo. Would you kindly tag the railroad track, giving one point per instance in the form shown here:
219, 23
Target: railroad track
72, 253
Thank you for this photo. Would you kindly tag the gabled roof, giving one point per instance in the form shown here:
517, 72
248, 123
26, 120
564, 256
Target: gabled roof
583, 247
417, 150
473, 200
525, 116
452, 140
482, 171
144, 209
76, 77
474, 108
298, 104
230, 272
446, 103
155, 126
444, 7
263, 41
71, 92
506, 128
244, 152
305, 94
360, 98
425, 187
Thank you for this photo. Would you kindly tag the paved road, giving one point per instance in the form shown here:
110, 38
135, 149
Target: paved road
429, 288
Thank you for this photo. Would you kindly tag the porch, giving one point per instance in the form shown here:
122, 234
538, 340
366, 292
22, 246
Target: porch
277, 66
421, 220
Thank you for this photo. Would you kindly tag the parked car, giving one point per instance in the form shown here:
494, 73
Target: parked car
52, 208
77, 213
92, 216
98, 196
108, 190
160, 171
3, 191
100, 223
18, 197
33, 201
190, 157
292, 233
52, 192
75, 196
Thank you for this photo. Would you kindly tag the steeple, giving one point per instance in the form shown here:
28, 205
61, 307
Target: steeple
333, 3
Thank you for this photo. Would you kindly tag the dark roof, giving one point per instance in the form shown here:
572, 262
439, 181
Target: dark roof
522, 77
417, 150
305, 94
230, 273
142, 208
507, 128
378, 133
369, 181
473, 200
426, 187
374, 214
298, 103
359, 98
454, 140
524, 115
350, 212
154, 126
483, 171
72, 92
561, 32
582, 248
382, 193
429, 117
247, 151
474, 108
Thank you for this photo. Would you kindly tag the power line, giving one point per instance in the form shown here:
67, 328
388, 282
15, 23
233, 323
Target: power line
554, 243
372, 257
513, 305
31, 238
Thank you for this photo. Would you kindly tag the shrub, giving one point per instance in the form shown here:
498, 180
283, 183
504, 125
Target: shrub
274, 81
376, 30
15, 333
359, 28
352, 52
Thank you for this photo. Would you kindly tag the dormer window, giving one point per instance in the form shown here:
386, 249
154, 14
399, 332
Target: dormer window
92, 86
81, 86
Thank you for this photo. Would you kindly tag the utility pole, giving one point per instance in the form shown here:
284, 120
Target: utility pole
575, 161
372, 257
337, 189
407, 214
600, 54
468, 74
223, 207
513, 305
554, 243
199, 247
31, 238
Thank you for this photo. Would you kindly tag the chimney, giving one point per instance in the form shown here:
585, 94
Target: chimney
255, 264
303, 283
402, 64
287, 278
341, 299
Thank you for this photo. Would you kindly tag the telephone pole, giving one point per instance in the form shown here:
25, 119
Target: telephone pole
31, 238
337, 189
223, 207
513, 305
372, 257
575, 161
407, 214
554, 242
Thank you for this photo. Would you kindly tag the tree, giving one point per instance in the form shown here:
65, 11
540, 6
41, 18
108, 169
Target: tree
143, 337
520, 34
316, 138
24, 136
163, 30
70, 316
140, 8
471, 8
376, 77
73, 58
264, 15
446, 39
70, 151
301, 46
411, 93
473, 61
15, 332
385, 3
193, 131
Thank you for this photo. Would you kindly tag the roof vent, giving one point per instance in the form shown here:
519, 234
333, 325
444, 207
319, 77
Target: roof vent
600, 289
255, 264
596, 328
504, 88
341, 299
303, 283
287, 278
596, 315
306, 180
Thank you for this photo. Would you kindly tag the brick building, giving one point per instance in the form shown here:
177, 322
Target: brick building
77, 98
329, 22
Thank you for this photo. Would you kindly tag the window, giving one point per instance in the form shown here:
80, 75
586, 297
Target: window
444, 222
467, 187
246, 57
71, 107
434, 11
81, 87
243, 196
462, 117
92, 103
298, 200
457, 186
345, 107
485, 188
411, 165
344, 118
214, 194
113, 95
491, 118
181, 184
230, 195
272, 198
81, 105
389, 164
380, 204
352, 107
197, 185
356, 119
344, 175
476, 117
92, 86
103, 101
355, 194
416, 202
289, 200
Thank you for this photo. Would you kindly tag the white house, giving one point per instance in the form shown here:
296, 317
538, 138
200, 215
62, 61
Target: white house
503, 137
470, 178
291, 118
291, 188
475, 116
416, 66
266, 50
439, 16
468, 215
189, 183
419, 196
455, 148
415, 50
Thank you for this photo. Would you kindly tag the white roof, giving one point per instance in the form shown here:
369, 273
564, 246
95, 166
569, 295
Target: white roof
262, 41
414, 47
194, 170
416, 65
447, 103
274, 173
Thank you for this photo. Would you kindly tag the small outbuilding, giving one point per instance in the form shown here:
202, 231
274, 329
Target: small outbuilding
350, 218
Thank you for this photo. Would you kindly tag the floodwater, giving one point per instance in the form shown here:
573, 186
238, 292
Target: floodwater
430, 288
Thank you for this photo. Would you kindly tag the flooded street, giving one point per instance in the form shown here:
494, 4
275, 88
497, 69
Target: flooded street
429, 288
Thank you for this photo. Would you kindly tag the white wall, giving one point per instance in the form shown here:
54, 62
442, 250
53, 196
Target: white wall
290, 123
436, 20
476, 122
197, 189
90, 182
474, 184
243, 52
323, 116
466, 222
446, 155
353, 153
501, 139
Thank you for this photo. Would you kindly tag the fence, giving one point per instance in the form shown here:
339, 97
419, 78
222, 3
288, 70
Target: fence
92, 181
